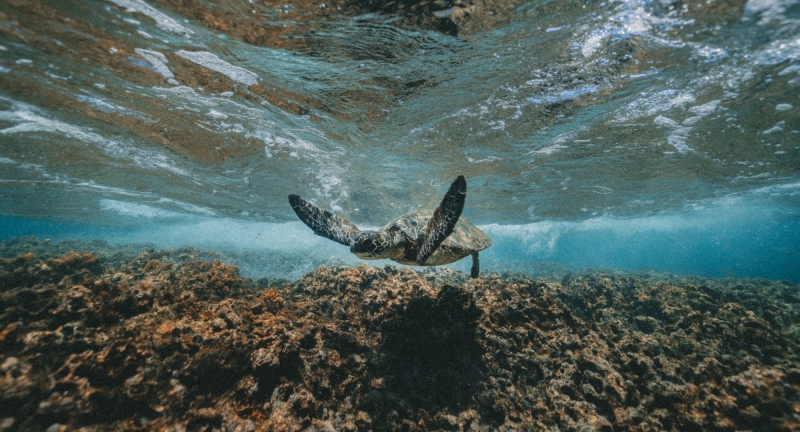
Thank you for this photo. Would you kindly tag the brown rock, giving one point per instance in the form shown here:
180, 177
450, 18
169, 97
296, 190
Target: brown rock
155, 345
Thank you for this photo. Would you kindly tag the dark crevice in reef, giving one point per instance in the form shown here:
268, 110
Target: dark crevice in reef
152, 342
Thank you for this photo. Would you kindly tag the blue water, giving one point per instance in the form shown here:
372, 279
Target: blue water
631, 135
724, 241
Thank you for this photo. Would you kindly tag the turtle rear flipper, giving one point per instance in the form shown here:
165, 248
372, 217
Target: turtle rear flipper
323, 223
444, 219
475, 271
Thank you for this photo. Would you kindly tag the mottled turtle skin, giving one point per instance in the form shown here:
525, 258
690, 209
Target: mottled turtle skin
409, 232
412, 239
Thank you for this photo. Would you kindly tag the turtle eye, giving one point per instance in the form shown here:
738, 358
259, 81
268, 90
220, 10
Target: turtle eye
366, 244
362, 243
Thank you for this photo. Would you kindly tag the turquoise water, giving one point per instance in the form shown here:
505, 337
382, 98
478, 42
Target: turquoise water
632, 135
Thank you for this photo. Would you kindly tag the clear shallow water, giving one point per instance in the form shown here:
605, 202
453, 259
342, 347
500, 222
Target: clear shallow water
635, 135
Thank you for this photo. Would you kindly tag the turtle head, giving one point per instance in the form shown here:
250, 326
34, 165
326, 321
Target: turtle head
371, 245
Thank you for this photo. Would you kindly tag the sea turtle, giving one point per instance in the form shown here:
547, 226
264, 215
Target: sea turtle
411, 239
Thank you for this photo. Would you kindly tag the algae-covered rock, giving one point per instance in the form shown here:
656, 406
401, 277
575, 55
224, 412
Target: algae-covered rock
155, 343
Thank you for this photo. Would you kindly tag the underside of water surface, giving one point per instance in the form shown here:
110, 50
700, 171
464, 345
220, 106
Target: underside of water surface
660, 135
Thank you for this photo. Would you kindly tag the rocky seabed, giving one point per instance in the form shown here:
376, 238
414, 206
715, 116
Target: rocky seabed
154, 343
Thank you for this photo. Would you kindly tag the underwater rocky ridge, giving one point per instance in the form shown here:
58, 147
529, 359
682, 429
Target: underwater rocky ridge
161, 340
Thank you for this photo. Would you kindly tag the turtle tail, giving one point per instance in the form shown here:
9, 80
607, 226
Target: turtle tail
476, 266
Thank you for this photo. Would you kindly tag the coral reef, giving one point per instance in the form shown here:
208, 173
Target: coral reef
155, 343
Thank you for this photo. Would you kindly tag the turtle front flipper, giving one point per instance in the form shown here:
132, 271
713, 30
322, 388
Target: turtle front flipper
323, 223
444, 219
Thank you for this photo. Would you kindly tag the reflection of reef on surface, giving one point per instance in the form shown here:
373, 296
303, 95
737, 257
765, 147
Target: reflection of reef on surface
240, 21
153, 343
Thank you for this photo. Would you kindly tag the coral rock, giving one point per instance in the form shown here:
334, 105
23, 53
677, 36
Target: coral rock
154, 343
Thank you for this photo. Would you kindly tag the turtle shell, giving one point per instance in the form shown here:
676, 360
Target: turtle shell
465, 239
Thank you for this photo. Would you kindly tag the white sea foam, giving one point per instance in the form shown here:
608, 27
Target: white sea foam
665, 100
100, 104
239, 236
27, 166
70, 183
566, 95
163, 21
705, 109
779, 51
631, 19
185, 92
486, 159
710, 53
158, 60
601, 190
776, 128
298, 144
651, 104
187, 207
701, 111
331, 186
539, 238
768, 9
216, 115
129, 209
549, 150
28, 120
677, 135
790, 69
213, 62
791, 189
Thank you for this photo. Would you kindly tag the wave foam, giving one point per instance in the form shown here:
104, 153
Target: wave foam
213, 62
163, 21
